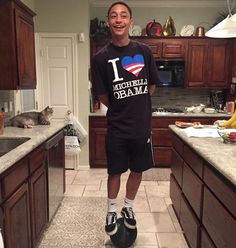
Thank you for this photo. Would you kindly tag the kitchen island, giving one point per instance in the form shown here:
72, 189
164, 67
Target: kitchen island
203, 189
32, 183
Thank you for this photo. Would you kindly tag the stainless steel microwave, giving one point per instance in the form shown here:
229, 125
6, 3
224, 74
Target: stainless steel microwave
171, 73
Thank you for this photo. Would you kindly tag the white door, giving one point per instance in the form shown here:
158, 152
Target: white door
57, 78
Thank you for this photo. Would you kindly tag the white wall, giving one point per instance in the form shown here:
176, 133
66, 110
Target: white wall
181, 16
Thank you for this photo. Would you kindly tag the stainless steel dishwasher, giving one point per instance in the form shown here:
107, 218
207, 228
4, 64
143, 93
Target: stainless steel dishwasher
56, 172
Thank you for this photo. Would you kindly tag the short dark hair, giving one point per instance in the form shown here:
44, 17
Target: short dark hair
121, 3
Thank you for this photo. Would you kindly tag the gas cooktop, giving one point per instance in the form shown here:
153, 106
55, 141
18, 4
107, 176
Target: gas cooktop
167, 110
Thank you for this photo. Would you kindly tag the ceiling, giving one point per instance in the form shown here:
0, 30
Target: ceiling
165, 3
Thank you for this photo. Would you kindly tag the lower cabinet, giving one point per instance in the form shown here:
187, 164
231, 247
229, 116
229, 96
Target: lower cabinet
189, 223
24, 200
38, 197
17, 231
161, 138
204, 201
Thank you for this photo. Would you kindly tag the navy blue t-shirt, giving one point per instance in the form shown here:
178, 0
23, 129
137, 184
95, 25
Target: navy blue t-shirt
124, 73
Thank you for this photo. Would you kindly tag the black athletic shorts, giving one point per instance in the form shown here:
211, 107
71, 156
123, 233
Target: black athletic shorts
123, 154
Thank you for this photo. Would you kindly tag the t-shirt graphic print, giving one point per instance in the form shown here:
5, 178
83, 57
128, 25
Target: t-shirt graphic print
123, 89
133, 64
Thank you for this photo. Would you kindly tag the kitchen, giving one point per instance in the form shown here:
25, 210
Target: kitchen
47, 20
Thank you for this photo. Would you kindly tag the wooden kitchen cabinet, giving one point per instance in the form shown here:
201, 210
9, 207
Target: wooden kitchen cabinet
17, 230
206, 209
38, 193
208, 63
17, 48
162, 48
97, 133
24, 200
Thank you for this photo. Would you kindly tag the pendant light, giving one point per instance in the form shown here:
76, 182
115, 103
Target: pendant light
226, 28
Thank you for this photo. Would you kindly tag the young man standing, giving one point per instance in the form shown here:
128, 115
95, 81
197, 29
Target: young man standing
124, 76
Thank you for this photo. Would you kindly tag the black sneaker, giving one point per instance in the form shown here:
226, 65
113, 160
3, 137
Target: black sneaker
129, 220
111, 227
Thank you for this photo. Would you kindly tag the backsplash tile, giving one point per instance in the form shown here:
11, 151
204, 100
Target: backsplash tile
180, 97
7, 96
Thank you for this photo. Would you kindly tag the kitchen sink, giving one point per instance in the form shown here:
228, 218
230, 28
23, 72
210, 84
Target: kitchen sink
9, 143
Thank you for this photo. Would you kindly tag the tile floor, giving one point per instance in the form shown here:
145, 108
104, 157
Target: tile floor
157, 224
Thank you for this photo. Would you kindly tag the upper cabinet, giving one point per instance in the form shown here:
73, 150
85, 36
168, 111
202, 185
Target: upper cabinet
209, 63
168, 48
17, 47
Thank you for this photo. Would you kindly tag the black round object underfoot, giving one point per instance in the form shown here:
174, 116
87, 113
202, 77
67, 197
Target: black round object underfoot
124, 237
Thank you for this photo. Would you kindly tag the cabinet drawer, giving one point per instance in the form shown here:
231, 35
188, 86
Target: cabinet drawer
175, 194
162, 122
173, 49
189, 224
96, 122
36, 158
221, 189
15, 177
162, 156
161, 137
218, 222
177, 166
205, 240
193, 161
178, 144
192, 189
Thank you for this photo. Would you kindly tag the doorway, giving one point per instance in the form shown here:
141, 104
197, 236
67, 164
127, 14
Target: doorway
56, 65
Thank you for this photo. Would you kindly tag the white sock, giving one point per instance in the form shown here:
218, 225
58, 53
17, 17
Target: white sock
111, 205
128, 203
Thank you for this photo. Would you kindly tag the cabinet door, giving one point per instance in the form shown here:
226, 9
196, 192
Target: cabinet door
97, 148
97, 133
155, 46
38, 198
219, 63
25, 50
197, 63
173, 49
218, 222
189, 223
17, 219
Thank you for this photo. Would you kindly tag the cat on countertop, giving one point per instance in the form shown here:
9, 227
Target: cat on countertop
30, 119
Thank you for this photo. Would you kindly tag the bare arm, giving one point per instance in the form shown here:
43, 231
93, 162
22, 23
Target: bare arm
104, 99
151, 88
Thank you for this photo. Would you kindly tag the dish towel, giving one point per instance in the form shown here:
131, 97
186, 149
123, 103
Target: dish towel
201, 132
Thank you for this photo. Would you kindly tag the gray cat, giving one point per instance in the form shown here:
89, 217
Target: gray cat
30, 119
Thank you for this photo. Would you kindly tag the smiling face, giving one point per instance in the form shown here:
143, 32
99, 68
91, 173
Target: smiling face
119, 22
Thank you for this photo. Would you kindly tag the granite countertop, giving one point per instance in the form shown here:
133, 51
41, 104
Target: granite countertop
220, 155
156, 114
37, 135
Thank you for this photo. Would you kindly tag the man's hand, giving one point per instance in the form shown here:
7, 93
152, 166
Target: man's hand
151, 88
104, 99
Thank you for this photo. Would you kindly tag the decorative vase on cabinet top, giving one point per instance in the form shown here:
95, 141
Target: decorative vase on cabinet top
169, 27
